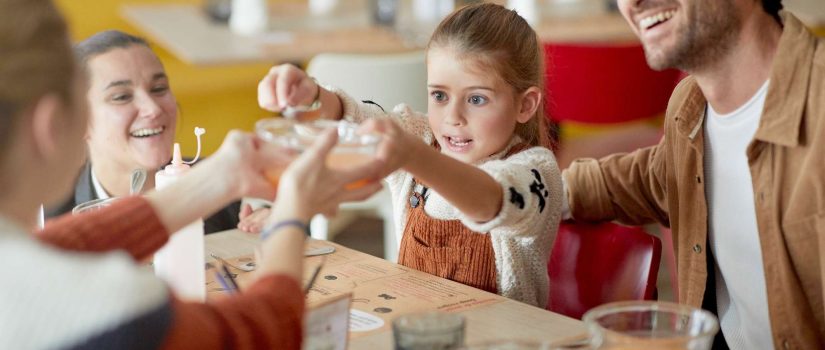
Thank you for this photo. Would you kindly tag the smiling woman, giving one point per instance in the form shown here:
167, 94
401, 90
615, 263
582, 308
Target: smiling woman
133, 117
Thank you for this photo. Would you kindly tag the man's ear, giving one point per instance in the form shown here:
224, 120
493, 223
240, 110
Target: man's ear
530, 100
46, 122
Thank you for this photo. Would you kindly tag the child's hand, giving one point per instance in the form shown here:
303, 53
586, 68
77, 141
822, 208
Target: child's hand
286, 85
252, 221
397, 146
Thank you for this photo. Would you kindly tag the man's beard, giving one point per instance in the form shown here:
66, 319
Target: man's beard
703, 41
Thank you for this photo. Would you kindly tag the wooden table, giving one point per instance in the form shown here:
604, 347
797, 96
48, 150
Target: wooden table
295, 35
492, 317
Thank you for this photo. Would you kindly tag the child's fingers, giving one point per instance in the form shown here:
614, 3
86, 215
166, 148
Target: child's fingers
283, 88
304, 90
245, 211
267, 98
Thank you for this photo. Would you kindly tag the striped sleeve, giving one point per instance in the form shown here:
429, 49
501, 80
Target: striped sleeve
130, 224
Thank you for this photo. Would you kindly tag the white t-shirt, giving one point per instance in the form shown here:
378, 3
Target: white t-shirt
741, 295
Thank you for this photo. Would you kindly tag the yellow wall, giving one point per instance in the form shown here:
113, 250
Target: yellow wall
216, 98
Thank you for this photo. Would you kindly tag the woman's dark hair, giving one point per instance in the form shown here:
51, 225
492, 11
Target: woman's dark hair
104, 42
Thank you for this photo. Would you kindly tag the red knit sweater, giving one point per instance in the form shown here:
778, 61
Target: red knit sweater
268, 315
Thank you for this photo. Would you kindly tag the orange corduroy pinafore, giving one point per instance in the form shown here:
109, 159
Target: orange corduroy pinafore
447, 248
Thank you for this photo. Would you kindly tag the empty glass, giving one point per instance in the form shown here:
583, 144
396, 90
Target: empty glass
511, 345
428, 331
93, 205
650, 325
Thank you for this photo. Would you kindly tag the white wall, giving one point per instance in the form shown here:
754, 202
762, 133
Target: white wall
810, 11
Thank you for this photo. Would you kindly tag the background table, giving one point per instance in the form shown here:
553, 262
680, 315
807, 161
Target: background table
295, 35
492, 318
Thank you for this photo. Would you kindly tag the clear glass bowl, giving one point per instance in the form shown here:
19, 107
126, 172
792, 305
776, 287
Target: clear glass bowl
511, 345
352, 150
300, 135
650, 325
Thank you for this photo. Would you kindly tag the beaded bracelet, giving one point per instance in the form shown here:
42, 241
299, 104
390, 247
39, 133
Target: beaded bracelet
271, 229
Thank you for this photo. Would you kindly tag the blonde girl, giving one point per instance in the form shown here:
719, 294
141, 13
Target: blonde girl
477, 197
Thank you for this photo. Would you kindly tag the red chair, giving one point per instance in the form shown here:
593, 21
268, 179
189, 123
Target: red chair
604, 98
593, 264
604, 84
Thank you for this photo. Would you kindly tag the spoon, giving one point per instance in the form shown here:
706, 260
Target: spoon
138, 179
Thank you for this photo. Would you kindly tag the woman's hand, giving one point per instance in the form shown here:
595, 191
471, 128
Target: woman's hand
241, 162
286, 85
308, 187
236, 170
397, 145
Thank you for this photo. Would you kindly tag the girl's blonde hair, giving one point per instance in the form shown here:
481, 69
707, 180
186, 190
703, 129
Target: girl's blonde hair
501, 41
35, 60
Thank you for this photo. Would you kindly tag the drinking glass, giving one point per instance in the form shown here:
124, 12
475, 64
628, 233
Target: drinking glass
650, 325
352, 149
93, 205
511, 345
430, 331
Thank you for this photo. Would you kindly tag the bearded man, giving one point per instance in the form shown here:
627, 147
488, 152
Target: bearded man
739, 176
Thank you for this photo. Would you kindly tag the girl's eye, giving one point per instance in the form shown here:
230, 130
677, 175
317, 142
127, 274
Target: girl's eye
477, 100
439, 96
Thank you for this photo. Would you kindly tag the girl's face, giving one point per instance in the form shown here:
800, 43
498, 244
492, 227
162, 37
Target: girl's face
133, 111
472, 113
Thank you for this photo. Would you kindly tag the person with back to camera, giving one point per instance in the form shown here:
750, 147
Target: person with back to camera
478, 199
76, 284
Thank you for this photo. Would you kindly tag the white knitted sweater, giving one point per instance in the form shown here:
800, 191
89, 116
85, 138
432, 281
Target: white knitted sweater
523, 231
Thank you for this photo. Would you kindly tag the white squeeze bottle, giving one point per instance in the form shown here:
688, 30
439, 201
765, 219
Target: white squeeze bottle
180, 263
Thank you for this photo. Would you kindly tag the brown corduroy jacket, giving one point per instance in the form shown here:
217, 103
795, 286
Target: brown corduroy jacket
665, 183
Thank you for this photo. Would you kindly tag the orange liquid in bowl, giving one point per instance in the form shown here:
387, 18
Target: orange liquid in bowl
351, 151
349, 160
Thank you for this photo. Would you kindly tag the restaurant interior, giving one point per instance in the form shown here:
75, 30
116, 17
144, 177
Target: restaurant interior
601, 98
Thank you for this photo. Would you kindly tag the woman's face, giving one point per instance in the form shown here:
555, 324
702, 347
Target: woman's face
133, 110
